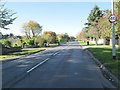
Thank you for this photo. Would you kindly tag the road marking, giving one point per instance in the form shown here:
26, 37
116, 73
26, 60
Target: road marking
37, 65
55, 53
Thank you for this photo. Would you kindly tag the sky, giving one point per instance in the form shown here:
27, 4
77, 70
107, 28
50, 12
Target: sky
59, 17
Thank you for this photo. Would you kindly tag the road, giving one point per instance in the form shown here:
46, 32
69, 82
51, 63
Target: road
66, 66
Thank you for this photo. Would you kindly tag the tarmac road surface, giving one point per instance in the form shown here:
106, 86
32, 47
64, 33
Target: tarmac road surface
66, 66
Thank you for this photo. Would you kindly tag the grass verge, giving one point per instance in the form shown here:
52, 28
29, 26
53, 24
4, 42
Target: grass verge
104, 55
85, 43
53, 45
63, 42
23, 52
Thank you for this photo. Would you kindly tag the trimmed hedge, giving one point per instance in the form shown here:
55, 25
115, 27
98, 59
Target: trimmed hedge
11, 50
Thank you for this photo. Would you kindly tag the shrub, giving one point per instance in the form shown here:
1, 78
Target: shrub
41, 43
30, 42
16, 43
6, 43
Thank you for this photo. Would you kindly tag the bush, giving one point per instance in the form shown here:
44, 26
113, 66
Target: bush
16, 43
41, 43
30, 42
6, 43
10, 50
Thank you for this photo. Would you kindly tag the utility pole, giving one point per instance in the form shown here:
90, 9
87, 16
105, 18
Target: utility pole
113, 34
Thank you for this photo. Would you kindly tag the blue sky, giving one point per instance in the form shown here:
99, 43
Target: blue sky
60, 17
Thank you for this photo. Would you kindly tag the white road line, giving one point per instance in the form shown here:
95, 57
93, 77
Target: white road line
55, 53
37, 65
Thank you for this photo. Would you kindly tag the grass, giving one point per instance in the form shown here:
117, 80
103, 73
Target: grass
85, 43
23, 52
6, 56
53, 45
104, 55
82, 42
63, 42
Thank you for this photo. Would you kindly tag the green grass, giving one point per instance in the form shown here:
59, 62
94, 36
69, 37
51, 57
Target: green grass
82, 42
63, 42
104, 54
53, 45
85, 43
23, 52
6, 56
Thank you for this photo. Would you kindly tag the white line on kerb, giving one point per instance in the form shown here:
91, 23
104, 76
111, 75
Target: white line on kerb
37, 65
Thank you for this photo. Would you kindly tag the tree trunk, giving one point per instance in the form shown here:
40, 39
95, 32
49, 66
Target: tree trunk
27, 35
104, 41
33, 33
34, 37
96, 43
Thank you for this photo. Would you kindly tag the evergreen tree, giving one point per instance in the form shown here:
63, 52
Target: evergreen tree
6, 16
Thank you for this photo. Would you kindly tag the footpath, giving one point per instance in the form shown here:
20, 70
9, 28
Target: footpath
108, 75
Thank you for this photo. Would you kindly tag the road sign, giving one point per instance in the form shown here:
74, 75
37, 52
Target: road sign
113, 18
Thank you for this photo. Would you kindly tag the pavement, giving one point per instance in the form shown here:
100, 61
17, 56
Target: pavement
107, 74
66, 66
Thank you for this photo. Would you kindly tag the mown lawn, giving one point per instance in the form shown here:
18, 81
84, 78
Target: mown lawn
53, 45
23, 52
26, 51
85, 43
104, 54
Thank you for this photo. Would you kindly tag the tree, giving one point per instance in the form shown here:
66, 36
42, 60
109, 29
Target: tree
85, 34
50, 37
117, 23
117, 12
63, 37
80, 35
26, 30
40, 41
72, 38
11, 35
93, 19
6, 43
6, 16
6, 36
94, 15
66, 37
104, 26
32, 29
35, 28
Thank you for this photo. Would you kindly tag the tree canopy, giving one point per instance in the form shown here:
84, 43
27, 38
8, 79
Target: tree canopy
6, 16
50, 36
32, 28
98, 25
63, 37
94, 15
